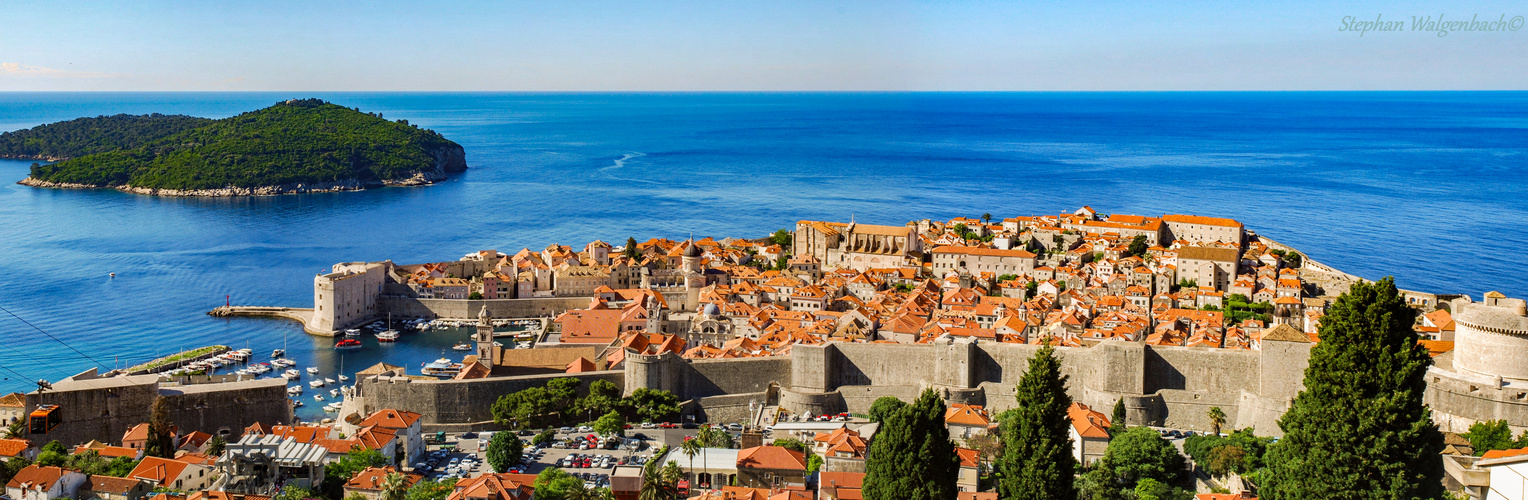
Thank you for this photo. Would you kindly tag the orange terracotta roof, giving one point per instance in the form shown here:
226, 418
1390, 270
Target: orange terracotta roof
391, 419
158, 470
1089, 423
988, 252
771, 457
1199, 219
962, 414
13, 447
1505, 453
35, 478
373, 478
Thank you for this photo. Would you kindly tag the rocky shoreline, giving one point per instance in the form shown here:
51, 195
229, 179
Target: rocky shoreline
419, 179
32, 157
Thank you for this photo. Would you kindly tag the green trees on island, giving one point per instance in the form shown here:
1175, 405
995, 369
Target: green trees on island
504, 451
558, 403
1037, 457
912, 457
1360, 429
298, 141
91, 135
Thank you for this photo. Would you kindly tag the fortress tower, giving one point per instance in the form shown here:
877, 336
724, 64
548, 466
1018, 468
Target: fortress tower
694, 277
1491, 338
484, 338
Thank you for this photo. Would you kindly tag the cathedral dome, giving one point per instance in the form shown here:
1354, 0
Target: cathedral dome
691, 250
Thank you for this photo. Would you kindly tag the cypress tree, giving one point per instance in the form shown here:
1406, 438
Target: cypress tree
159, 444
912, 457
1117, 419
1360, 429
1037, 457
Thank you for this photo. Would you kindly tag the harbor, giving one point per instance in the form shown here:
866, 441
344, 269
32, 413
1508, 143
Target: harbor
320, 371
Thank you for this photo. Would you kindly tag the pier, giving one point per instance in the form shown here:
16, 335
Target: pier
301, 315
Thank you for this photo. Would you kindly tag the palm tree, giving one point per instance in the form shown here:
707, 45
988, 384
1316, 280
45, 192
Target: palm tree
584, 492
655, 484
13, 431
987, 218
395, 486
1217, 419
690, 447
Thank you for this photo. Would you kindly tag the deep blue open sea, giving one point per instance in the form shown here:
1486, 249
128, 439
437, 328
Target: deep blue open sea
1426, 186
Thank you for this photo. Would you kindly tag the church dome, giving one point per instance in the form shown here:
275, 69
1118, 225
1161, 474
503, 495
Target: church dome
710, 309
691, 250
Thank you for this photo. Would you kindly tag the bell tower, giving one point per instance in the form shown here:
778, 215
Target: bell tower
485, 338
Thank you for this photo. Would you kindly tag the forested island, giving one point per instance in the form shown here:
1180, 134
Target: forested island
295, 146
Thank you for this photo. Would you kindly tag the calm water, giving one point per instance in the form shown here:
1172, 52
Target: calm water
1428, 187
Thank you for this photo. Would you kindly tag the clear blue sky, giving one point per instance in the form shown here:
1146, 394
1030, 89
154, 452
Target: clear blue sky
754, 45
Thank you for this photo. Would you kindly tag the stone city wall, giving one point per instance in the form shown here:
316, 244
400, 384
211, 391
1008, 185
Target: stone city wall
408, 307
459, 402
1457, 401
104, 409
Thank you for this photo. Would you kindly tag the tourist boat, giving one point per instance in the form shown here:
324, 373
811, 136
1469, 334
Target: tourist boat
316, 383
442, 367
318, 397
387, 336
351, 332
312, 370
348, 344
462, 346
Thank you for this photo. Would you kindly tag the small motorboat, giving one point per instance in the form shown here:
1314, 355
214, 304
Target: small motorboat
342, 377
312, 370
316, 383
278, 353
348, 344
351, 332
296, 404
318, 397
291, 375
462, 346
328, 380
294, 389
334, 393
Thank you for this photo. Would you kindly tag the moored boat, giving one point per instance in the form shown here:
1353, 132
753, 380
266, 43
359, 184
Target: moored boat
442, 367
387, 336
348, 344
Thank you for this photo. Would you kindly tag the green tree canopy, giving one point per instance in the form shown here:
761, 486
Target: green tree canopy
883, 406
912, 457
1037, 447
1360, 428
1493, 435
338, 472
1136, 454
504, 451
86, 136
611, 424
654, 405
1117, 418
431, 490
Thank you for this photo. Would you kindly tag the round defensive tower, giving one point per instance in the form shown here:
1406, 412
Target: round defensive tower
1491, 338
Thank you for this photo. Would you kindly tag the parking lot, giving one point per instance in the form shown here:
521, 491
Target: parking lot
464, 455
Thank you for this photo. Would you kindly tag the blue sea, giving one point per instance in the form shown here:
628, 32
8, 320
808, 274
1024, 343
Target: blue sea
1426, 186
